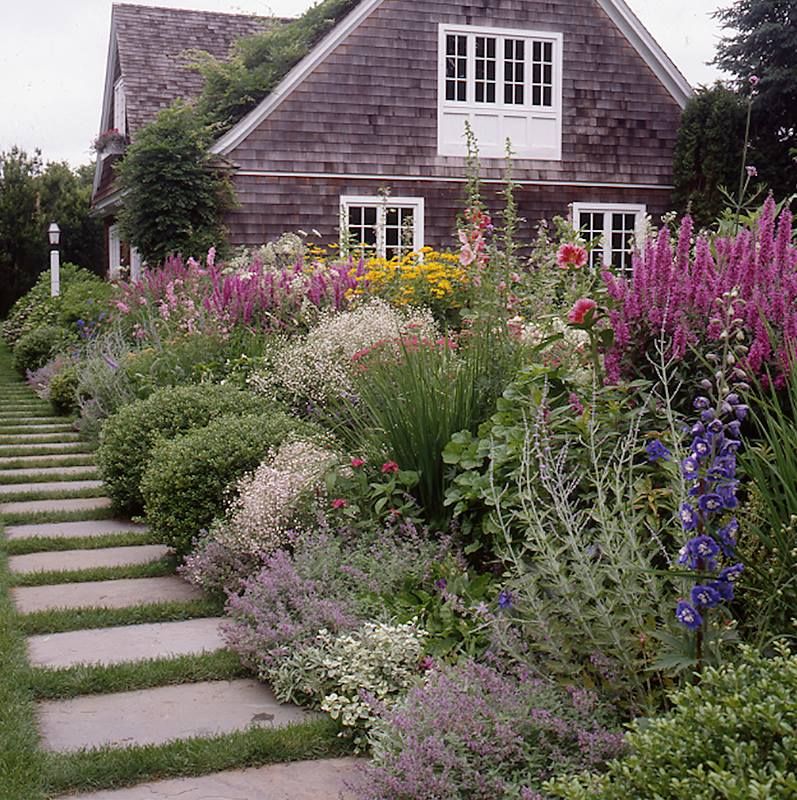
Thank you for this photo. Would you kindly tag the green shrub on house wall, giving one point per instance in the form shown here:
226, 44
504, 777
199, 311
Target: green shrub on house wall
175, 191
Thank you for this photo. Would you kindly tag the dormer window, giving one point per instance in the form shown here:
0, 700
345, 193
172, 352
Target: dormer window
119, 107
507, 84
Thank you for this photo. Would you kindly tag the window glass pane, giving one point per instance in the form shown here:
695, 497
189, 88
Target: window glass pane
362, 228
514, 71
623, 229
485, 65
456, 68
590, 224
542, 74
399, 232
370, 215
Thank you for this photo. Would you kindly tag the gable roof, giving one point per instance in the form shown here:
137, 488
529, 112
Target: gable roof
617, 10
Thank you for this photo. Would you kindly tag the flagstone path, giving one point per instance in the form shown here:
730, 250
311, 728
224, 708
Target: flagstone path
32, 444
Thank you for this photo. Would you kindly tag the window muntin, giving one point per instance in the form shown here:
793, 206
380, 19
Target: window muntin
389, 227
119, 107
610, 229
456, 68
514, 71
542, 74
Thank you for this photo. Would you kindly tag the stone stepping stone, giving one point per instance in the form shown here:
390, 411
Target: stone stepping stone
40, 459
327, 779
156, 716
128, 643
123, 593
60, 486
45, 472
67, 560
33, 446
68, 504
69, 530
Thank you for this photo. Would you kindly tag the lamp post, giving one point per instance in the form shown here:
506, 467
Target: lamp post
54, 232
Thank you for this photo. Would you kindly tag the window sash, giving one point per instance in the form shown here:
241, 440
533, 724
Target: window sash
393, 227
119, 107
612, 226
503, 70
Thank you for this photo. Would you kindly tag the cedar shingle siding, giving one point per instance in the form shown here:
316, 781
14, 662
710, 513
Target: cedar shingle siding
370, 108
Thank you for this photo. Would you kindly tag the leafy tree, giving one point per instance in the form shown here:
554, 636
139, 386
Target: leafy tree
709, 151
175, 191
762, 46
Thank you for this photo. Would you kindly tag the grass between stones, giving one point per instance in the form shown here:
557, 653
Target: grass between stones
52, 494
35, 438
43, 544
155, 569
110, 768
69, 619
42, 517
20, 759
32, 449
10, 480
70, 460
69, 682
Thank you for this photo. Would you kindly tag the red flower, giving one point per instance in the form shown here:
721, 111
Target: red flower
339, 502
580, 310
571, 256
390, 467
358, 462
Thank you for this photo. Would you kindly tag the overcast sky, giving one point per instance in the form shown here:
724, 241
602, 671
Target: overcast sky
53, 52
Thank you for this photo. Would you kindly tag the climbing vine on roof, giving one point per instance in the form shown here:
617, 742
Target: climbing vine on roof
259, 62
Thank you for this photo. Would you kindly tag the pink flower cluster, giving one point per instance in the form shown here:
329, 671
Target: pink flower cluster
674, 291
194, 296
473, 241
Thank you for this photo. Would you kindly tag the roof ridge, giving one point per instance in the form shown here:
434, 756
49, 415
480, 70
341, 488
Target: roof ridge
235, 14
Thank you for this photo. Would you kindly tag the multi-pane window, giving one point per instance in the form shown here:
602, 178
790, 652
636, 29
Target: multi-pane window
506, 84
610, 230
512, 70
389, 227
119, 107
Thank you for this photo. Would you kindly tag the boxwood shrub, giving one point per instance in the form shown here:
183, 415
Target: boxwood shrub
129, 436
35, 348
732, 736
63, 391
184, 485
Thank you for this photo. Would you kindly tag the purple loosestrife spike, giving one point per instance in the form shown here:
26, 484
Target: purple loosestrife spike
688, 616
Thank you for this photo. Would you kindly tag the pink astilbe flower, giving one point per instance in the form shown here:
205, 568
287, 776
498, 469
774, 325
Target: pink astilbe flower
674, 294
571, 256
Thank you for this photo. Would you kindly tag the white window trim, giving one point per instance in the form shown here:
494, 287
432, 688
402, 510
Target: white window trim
381, 204
452, 106
119, 106
607, 209
114, 252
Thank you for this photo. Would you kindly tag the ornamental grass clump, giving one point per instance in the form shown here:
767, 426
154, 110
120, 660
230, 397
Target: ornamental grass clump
732, 736
674, 291
470, 732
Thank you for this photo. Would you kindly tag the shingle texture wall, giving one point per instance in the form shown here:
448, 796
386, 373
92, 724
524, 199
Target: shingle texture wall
371, 109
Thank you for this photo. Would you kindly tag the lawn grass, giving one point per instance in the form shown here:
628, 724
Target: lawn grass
60, 620
155, 569
43, 517
42, 544
110, 768
69, 682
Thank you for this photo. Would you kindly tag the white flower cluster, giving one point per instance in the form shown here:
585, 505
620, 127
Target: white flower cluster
318, 367
357, 674
279, 499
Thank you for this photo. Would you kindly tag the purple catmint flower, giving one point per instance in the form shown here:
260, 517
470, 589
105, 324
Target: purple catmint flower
657, 451
731, 574
705, 596
701, 403
733, 399
699, 553
700, 447
724, 589
741, 412
690, 468
505, 599
688, 616
707, 416
716, 426
726, 536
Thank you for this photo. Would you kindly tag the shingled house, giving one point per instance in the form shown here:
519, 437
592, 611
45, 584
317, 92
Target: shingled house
378, 108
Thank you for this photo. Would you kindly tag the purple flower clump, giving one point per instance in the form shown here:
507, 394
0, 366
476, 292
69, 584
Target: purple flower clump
472, 731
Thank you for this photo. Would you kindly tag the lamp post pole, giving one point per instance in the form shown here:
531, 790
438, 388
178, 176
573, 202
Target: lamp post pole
54, 232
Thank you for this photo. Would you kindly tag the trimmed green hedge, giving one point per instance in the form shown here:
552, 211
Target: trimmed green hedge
130, 435
34, 349
185, 482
